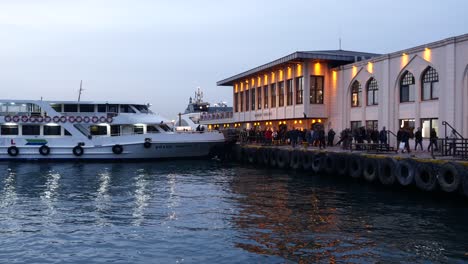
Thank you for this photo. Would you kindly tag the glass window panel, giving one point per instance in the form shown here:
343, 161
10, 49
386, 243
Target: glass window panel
31, 130
71, 108
426, 91
52, 130
435, 90
9, 130
87, 108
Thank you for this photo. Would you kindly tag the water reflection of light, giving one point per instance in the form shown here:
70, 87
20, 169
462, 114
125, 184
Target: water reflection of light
50, 192
173, 200
9, 190
102, 195
141, 197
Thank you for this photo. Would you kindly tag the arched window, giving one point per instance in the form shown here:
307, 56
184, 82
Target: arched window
372, 92
356, 93
407, 87
430, 84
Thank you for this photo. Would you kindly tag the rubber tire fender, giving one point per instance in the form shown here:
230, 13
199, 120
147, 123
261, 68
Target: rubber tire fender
317, 163
44, 150
355, 166
78, 151
425, 177
295, 160
13, 151
273, 154
387, 167
370, 169
283, 158
405, 171
117, 149
449, 177
307, 159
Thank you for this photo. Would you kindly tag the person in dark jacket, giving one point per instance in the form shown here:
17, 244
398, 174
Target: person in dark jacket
405, 135
418, 139
331, 137
399, 135
321, 138
433, 140
383, 137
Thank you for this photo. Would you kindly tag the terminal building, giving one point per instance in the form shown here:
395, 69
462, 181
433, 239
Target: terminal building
425, 86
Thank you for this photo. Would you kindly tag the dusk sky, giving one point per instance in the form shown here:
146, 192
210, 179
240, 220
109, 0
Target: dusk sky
159, 52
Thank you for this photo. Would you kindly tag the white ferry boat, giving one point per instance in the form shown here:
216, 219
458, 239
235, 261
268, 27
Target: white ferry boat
36, 129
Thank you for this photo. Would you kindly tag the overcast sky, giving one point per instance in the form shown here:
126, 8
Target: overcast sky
158, 52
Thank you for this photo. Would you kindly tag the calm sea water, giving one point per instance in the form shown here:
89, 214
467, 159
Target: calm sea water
208, 212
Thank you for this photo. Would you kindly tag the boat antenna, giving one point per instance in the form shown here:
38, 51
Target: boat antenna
81, 90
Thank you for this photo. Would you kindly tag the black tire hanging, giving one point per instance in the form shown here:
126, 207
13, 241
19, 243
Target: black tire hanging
387, 167
78, 151
117, 149
450, 177
147, 144
13, 151
370, 170
44, 150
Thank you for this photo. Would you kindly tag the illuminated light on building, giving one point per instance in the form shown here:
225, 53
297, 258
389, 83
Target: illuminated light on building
354, 71
242, 86
280, 75
427, 54
313, 121
259, 81
404, 60
334, 76
265, 79
236, 87
370, 67
300, 121
289, 73
320, 120
295, 121
253, 82
298, 70
273, 77
318, 68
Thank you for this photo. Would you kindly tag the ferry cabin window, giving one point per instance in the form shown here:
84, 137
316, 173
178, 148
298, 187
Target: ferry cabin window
101, 108
56, 107
87, 108
165, 127
138, 129
70, 108
98, 130
126, 109
9, 130
142, 108
115, 130
52, 130
31, 130
112, 108
151, 129
66, 133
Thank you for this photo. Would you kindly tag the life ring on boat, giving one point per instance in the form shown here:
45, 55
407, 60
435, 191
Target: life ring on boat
370, 169
63, 119
425, 177
387, 171
405, 172
44, 150
47, 119
355, 166
307, 159
295, 160
24, 119
32, 119
283, 158
78, 119
273, 153
71, 119
147, 144
95, 119
117, 149
7, 118
449, 177
56, 119
102, 119
86, 119
13, 151
317, 163
15, 119
78, 151
109, 119
40, 119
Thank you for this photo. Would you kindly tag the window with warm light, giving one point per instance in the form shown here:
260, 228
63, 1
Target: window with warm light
372, 92
289, 95
241, 104
247, 95
281, 93
316, 89
259, 97
273, 95
252, 99
299, 89
265, 95
407, 87
430, 84
356, 93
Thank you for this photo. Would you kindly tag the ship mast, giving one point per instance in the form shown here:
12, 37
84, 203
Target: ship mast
79, 91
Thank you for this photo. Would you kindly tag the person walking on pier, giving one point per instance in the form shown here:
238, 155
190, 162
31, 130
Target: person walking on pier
433, 140
331, 137
405, 135
399, 134
383, 137
268, 136
321, 138
418, 139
